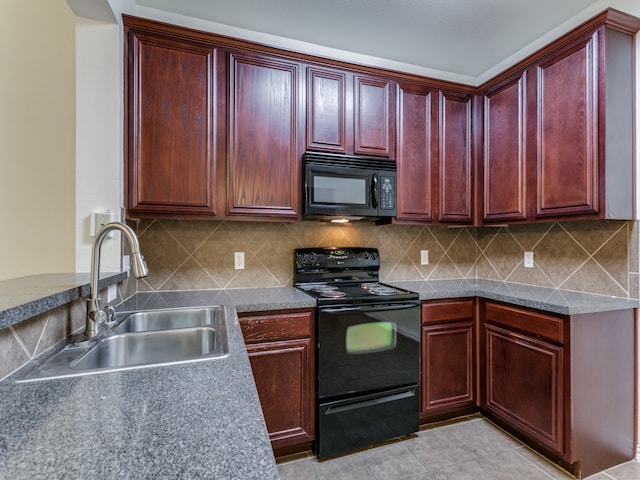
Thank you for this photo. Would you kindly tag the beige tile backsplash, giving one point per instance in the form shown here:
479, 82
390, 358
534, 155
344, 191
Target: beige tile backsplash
596, 257
590, 256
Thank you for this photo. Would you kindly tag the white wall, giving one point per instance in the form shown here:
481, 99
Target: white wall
37, 137
99, 137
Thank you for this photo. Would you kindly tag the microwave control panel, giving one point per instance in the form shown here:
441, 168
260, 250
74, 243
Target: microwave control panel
387, 192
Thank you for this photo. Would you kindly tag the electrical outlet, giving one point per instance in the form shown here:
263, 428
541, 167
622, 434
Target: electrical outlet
238, 260
528, 259
112, 293
99, 220
424, 257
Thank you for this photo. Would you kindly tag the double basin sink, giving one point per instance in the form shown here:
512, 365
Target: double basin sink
142, 339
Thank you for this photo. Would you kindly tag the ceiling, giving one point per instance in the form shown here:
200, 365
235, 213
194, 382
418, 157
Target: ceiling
461, 37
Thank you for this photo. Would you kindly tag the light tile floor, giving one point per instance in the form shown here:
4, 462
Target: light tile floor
470, 448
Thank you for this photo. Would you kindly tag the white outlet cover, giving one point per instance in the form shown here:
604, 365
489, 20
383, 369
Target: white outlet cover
528, 259
424, 257
238, 260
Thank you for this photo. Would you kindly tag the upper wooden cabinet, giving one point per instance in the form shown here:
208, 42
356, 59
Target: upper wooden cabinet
170, 121
505, 163
417, 153
558, 129
350, 113
435, 183
265, 133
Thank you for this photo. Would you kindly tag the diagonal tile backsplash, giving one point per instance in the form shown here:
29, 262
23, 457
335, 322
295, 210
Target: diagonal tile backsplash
592, 256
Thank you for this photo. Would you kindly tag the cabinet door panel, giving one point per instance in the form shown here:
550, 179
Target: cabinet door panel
263, 146
326, 110
170, 143
455, 158
524, 384
504, 155
447, 375
373, 107
567, 121
285, 383
415, 161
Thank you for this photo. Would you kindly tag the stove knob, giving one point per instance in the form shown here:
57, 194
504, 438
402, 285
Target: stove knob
313, 257
373, 255
365, 255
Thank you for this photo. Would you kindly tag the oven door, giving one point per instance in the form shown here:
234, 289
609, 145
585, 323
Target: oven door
367, 348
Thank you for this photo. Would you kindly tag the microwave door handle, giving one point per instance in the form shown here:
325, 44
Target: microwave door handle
374, 191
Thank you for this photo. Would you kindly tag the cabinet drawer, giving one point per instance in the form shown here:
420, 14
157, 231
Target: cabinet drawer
282, 326
446, 311
533, 323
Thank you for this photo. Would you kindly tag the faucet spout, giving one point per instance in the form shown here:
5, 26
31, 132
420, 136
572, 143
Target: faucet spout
95, 316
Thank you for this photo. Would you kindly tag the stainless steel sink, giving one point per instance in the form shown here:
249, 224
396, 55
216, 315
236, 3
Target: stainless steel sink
139, 340
148, 348
170, 319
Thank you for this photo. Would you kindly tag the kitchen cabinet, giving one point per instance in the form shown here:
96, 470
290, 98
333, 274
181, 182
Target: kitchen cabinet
417, 159
448, 353
455, 162
505, 189
562, 383
281, 348
170, 165
434, 156
558, 129
350, 113
265, 136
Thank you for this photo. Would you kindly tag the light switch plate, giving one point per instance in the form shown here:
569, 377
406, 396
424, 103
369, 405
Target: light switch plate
424, 257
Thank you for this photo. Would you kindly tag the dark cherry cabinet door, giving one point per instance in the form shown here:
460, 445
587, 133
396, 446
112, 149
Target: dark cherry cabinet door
567, 131
374, 116
505, 187
282, 378
281, 348
524, 383
170, 165
417, 153
455, 160
327, 110
264, 136
447, 385
350, 113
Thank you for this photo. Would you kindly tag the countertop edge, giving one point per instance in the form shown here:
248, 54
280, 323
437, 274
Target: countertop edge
26, 297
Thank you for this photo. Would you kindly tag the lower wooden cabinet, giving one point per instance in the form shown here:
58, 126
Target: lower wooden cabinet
447, 386
564, 384
281, 348
524, 383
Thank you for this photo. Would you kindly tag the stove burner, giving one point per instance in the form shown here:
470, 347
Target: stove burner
333, 294
377, 289
324, 288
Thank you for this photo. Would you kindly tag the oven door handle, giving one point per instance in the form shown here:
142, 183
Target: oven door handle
371, 402
369, 308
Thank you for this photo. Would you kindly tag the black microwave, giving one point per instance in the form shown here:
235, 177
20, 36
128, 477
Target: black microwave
343, 188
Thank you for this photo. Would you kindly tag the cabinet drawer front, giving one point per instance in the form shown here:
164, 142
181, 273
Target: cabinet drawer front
286, 326
530, 322
446, 311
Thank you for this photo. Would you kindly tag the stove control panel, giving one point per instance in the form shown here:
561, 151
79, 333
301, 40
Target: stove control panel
337, 258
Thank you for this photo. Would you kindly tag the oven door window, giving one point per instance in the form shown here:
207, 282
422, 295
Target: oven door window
367, 349
370, 337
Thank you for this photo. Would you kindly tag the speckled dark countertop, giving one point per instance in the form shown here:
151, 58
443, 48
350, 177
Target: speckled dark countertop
25, 297
191, 421
546, 299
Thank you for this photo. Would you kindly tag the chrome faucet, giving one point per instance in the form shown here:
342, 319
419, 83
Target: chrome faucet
95, 316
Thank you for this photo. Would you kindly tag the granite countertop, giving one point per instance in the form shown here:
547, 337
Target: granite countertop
25, 297
189, 421
547, 299
199, 420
